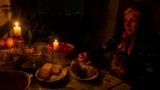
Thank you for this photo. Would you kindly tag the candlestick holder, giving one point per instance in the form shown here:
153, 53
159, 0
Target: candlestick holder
18, 45
56, 57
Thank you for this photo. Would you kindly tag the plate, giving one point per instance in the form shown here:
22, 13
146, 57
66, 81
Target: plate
53, 77
87, 67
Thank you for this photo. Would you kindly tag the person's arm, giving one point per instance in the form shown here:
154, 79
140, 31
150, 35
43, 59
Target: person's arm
104, 48
100, 50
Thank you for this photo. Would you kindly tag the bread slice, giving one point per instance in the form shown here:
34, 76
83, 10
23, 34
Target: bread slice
56, 69
44, 71
53, 77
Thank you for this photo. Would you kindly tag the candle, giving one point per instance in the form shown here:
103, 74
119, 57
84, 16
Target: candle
55, 45
17, 30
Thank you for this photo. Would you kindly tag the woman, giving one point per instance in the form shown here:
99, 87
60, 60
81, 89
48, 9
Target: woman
130, 51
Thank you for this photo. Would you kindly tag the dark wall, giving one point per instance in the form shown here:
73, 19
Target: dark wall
96, 12
81, 22
153, 4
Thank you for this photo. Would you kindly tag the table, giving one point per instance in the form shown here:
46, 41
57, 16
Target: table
104, 81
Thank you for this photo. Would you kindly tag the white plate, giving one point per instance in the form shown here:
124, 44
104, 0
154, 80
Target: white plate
88, 78
56, 77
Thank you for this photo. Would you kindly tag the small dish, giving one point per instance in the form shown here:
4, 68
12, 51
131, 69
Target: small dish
35, 53
53, 77
83, 72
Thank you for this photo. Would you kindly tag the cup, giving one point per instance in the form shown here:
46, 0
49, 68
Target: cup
40, 47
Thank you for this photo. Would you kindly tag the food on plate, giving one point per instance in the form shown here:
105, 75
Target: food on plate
83, 71
91, 71
49, 72
75, 66
53, 77
44, 71
55, 70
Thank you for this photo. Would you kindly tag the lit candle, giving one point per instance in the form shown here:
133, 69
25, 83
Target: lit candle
55, 45
17, 30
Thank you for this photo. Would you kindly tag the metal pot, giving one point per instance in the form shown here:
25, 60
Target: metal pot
14, 80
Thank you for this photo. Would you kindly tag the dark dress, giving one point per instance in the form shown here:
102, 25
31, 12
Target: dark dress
141, 67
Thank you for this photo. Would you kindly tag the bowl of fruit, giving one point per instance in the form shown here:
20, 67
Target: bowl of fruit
64, 49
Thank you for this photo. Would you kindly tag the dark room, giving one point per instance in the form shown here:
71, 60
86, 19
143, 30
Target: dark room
79, 44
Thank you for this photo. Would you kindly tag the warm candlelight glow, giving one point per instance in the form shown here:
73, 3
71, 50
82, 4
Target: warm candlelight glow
55, 45
16, 24
17, 30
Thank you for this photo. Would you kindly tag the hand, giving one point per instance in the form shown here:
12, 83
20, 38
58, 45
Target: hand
83, 57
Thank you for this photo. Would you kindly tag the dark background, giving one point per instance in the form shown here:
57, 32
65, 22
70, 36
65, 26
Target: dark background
85, 23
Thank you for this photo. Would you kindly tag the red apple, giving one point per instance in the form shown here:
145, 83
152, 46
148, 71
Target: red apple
9, 42
49, 47
2, 42
69, 48
60, 47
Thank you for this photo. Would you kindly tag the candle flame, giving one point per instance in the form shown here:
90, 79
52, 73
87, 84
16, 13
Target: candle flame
16, 24
55, 44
